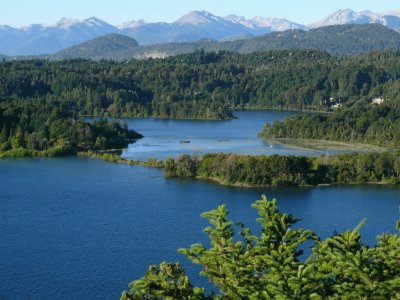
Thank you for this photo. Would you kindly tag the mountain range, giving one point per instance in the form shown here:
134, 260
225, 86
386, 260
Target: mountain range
48, 39
349, 39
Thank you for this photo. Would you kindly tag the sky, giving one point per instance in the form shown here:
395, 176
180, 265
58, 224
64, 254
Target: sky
18, 13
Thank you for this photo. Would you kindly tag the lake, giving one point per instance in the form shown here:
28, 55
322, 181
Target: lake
74, 228
163, 137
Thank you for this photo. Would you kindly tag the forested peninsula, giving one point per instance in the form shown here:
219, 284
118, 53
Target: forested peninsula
362, 122
37, 129
277, 170
274, 170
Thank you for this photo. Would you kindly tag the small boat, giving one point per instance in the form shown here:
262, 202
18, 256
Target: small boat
184, 141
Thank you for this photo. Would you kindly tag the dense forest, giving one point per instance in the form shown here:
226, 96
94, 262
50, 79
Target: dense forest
241, 264
36, 129
203, 85
276, 170
364, 122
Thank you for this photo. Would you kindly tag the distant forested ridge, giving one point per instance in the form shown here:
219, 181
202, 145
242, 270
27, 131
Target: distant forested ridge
37, 129
203, 85
276, 170
100, 47
350, 39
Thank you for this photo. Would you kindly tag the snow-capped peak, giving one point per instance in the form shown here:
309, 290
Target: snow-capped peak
94, 22
197, 18
240, 20
131, 24
347, 16
342, 16
66, 23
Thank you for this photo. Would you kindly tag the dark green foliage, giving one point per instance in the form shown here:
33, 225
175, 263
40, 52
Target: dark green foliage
267, 266
36, 129
364, 122
276, 170
101, 47
203, 85
168, 281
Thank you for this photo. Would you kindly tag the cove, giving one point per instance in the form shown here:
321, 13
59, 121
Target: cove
165, 138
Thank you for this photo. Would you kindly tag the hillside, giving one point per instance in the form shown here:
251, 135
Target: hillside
40, 39
336, 40
101, 47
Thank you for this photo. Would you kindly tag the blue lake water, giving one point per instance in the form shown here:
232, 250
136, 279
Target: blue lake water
73, 228
162, 137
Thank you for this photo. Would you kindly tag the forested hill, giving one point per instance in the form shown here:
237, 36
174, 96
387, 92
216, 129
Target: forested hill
101, 47
336, 40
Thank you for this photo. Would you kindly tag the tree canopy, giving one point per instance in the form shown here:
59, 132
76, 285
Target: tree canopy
37, 129
241, 265
203, 85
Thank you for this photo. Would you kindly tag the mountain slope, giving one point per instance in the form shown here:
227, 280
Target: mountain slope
100, 47
348, 16
41, 39
47, 39
337, 40
198, 25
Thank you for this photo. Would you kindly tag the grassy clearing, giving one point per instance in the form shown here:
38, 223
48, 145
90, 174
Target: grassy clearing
322, 145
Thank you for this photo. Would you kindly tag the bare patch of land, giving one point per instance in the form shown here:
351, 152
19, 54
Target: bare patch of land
329, 145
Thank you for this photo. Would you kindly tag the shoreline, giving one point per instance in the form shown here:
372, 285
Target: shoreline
248, 186
322, 145
113, 157
214, 119
159, 164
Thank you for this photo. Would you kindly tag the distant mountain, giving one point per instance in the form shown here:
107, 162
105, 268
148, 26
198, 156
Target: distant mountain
198, 25
100, 47
336, 39
41, 39
348, 16
194, 26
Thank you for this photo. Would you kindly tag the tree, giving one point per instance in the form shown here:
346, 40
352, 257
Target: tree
268, 266
167, 281
18, 141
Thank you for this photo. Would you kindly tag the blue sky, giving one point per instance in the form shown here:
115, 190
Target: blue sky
18, 13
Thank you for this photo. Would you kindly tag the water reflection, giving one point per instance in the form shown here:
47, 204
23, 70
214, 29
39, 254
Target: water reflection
169, 138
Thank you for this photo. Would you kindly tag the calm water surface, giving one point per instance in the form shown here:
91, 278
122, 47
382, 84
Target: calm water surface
162, 137
75, 228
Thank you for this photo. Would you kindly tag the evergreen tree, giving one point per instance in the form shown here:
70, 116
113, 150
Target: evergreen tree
268, 266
